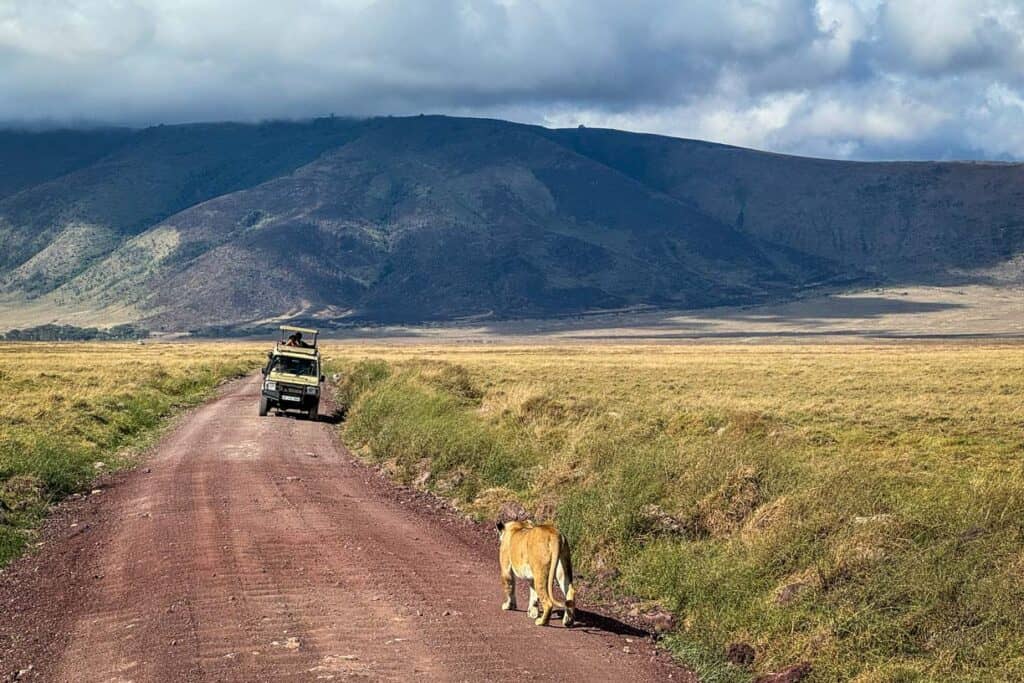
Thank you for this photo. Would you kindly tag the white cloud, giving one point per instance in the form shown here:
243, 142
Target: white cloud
996, 126
840, 77
952, 35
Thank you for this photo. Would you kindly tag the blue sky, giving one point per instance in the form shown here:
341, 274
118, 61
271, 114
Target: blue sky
861, 79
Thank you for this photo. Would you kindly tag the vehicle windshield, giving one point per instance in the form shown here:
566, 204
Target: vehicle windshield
293, 366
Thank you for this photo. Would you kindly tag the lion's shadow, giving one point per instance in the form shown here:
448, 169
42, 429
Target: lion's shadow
599, 622
594, 622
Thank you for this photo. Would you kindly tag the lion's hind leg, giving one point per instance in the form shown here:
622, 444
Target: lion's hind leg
545, 614
533, 610
564, 576
545, 597
508, 583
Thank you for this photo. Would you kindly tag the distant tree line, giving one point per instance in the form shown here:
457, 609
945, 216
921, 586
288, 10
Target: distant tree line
72, 333
228, 331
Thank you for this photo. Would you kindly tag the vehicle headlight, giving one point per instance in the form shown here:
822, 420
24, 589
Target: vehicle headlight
312, 390
270, 386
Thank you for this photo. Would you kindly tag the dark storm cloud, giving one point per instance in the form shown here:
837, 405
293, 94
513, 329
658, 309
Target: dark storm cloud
854, 78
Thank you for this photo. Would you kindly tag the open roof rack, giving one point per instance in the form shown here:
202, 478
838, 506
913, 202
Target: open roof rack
288, 330
303, 330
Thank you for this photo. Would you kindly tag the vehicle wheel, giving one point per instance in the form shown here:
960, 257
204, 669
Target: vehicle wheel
264, 406
313, 413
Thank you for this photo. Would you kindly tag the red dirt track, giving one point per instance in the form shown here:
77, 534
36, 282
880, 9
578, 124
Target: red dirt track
257, 549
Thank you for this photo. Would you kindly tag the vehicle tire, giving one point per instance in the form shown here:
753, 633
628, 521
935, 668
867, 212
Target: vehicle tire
264, 406
313, 413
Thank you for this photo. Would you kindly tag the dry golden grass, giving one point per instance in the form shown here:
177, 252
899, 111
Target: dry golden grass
861, 507
71, 411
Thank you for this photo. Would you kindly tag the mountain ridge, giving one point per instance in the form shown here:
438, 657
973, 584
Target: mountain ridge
435, 218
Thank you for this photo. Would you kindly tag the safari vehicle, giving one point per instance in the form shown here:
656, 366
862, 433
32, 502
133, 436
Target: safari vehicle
291, 377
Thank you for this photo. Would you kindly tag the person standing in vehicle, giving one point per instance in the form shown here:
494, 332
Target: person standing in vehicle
296, 340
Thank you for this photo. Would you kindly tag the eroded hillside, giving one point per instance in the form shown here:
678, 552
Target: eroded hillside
434, 218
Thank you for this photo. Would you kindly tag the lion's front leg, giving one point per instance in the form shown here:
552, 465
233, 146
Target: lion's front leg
532, 607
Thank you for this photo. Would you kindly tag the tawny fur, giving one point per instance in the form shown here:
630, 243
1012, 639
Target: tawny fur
539, 554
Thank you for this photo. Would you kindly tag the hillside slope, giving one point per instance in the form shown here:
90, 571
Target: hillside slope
408, 219
52, 230
31, 158
437, 221
888, 218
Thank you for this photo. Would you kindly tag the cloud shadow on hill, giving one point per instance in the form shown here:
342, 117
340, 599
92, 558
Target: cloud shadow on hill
817, 317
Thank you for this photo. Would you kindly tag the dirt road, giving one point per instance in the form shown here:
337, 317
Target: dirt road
256, 549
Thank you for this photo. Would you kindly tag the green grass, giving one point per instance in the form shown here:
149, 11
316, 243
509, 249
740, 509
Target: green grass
419, 419
861, 508
74, 411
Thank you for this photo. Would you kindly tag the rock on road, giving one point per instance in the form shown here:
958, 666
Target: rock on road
257, 549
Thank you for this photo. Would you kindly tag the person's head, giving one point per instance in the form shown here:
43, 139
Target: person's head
298, 336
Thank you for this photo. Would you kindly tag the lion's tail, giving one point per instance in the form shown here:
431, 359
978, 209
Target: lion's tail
556, 557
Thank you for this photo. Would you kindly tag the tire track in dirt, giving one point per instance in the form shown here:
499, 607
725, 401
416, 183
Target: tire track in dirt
256, 549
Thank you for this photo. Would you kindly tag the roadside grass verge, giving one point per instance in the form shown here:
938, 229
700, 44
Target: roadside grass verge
857, 507
72, 411
421, 422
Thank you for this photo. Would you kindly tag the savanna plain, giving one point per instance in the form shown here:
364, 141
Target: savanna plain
74, 411
856, 506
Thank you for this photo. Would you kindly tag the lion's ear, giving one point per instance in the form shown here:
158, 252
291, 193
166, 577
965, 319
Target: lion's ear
500, 526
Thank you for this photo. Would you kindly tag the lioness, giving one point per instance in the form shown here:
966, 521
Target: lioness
539, 554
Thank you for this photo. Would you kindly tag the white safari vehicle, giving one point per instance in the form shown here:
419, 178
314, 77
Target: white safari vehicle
292, 377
